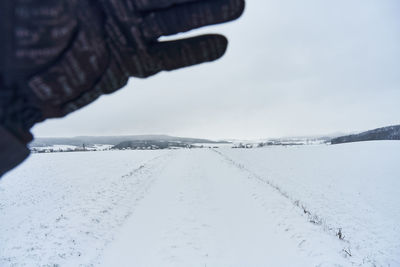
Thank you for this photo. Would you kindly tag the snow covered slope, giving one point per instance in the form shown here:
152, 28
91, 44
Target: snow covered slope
273, 206
60, 209
352, 187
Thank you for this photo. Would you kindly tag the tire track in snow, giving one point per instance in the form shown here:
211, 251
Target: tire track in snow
140, 181
204, 211
80, 221
312, 217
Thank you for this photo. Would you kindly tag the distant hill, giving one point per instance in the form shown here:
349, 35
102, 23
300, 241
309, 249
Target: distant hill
114, 140
384, 133
149, 144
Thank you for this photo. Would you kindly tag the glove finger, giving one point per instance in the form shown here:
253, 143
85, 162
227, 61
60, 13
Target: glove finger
177, 54
189, 16
147, 5
168, 56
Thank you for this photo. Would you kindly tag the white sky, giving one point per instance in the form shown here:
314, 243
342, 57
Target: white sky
292, 68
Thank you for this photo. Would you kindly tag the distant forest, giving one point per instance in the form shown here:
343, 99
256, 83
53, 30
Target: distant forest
384, 133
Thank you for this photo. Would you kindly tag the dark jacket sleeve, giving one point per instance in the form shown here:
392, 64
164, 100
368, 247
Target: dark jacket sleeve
12, 150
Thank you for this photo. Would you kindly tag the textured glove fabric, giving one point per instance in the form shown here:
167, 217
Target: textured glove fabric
58, 56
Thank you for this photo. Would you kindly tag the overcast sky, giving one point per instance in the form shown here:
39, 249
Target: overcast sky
292, 68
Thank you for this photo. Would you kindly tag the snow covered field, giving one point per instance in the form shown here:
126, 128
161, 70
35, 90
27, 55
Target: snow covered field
271, 206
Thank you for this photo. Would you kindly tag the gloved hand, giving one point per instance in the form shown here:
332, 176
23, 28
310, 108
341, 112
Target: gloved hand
57, 56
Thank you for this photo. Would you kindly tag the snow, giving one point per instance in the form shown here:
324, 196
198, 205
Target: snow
354, 187
270, 206
61, 208
207, 215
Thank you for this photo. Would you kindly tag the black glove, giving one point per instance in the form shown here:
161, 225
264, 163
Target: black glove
57, 56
